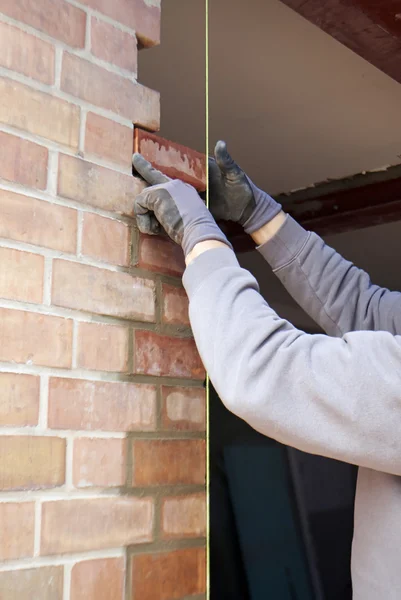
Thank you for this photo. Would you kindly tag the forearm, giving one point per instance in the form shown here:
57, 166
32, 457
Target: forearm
336, 294
327, 396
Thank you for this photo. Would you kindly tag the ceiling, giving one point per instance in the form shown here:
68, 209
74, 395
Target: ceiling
295, 106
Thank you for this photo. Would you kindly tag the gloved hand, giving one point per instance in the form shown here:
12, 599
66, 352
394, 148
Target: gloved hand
174, 205
233, 196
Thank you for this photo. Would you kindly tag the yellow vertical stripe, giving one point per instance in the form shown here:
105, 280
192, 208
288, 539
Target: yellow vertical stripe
207, 376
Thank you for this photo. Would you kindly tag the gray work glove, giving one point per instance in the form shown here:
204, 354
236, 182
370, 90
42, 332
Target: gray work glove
233, 196
174, 205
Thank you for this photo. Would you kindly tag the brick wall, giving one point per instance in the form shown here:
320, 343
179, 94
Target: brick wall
102, 409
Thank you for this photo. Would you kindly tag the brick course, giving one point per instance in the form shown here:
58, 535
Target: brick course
96, 461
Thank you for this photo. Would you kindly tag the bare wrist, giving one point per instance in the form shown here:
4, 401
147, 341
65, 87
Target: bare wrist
202, 247
269, 230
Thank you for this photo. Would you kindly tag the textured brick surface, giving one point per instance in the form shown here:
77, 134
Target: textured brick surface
176, 161
167, 356
35, 222
99, 462
56, 18
31, 462
17, 526
101, 579
175, 306
92, 524
103, 188
21, 275
26, 54
113, 45
184, 516
141, 15
168, 462
108, 139
45, 583
19, 399
160, 254
105, 239
23, 161
76, 253
80, 404
102, 347
113, 92
20, 332
170, 575
39, 113
102, 291
184, 408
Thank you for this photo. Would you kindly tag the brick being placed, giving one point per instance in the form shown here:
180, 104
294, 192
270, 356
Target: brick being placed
172, 159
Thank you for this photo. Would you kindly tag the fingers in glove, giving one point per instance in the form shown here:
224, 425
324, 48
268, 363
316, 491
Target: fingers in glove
148, 224
227, 165
147, 172
143, 209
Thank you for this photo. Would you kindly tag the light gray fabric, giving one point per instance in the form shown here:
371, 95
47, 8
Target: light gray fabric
335, 396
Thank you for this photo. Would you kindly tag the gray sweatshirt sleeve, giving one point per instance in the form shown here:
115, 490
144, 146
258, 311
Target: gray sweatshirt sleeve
337, 397
336, 294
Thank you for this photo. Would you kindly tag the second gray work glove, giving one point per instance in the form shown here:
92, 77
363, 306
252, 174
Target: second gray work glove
233, 196
174, 205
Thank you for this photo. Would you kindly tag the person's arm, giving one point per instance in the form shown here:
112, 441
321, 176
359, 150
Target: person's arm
335, 293
337, 397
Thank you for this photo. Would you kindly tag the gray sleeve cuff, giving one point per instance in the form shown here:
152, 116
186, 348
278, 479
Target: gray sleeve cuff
286, 245
207, 262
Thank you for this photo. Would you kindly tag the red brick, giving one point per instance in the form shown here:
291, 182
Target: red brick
175, 160
99, 462
103, 292
161, 255
166, 356
101, 579
184, 408
22, 161
103, 188
105, 239
31, 462
35, 222
17, 526
26, 54
168, 462
141, 15
111, 91
93, 524
45, 583
113, 45
39, 113
108, 139
106, 406
58, 19
175, 306
184, 516
21, 275
170, 575
19, 400
102, 347
20, 332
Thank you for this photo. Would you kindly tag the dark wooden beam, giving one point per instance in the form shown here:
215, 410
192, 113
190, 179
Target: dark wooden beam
371, 28
367, 199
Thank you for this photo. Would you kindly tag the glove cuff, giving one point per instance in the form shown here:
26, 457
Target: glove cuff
202, 232
265, 210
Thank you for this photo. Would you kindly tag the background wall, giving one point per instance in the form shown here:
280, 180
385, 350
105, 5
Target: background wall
102, 410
